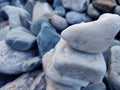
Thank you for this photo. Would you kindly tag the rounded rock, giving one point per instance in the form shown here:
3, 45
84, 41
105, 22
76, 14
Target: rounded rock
73, 17
95, 36
76, 5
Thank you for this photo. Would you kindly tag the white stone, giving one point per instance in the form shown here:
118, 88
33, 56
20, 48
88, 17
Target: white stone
41, 9
67, 66
93, 37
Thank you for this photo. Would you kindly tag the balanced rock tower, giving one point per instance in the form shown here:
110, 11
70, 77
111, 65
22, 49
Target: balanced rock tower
77, 59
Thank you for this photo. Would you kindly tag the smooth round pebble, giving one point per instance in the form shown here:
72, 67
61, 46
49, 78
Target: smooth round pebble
73, 17
58, 22
60, 11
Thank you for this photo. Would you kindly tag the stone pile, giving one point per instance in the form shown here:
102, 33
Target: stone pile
77, 59
59, 45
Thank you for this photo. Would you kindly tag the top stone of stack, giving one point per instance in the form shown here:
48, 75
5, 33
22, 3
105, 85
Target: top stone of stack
88, 37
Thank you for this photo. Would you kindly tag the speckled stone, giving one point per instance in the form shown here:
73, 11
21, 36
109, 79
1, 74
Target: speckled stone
29, 81
13, 62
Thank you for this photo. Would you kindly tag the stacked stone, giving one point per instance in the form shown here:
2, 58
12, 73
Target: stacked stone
77, 60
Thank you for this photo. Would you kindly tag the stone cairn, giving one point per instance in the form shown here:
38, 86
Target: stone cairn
77, 60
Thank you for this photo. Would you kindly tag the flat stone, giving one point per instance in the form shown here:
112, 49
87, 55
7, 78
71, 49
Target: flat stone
76, 5
14, 62
63, 60
113, 74
20, 39
22, 83
17, 16
92, 12
73, 17
47, 38
58, 22
36, 26
41, 9
104, 6
95, 36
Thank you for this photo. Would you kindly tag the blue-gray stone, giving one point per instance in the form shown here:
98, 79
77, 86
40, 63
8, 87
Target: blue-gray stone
74, 17
14, 62
76, 5
92, 12
30, 6
58, 22
31, 63
17, 3
4, 4
117, 10
47, 38
106, 53
113, 74
1, 20
57, 3
95, 86
23, 82
20, 39
17, 16
2, 1
60, 11
36, 26
3, 33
